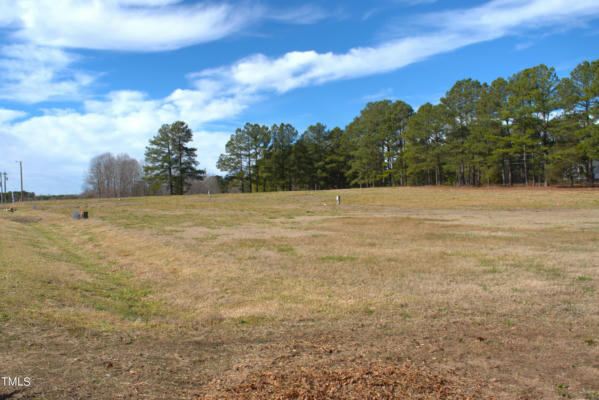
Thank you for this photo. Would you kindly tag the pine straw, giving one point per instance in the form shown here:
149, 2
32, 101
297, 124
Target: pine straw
371, 381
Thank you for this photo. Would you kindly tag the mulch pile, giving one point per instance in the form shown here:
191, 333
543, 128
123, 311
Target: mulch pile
373, 381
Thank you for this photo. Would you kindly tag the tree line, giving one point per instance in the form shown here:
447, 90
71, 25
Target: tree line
10, 196
531, 128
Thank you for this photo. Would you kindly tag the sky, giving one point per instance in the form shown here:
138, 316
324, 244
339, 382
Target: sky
80, 78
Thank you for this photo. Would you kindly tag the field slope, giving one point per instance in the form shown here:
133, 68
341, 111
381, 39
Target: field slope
396, 293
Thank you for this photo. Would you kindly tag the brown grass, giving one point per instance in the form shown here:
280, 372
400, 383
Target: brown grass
493, 291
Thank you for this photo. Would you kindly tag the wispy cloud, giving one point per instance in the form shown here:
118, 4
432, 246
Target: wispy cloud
448, 31
306, 14
7, 115
503, 17
524, 45
415, 2
138, 25
31, 73
371, 13
380, 95
299, 69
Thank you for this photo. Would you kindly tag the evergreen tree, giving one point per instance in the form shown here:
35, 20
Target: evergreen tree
491, 132
425, 154
579, 96
460, 105
169, 159
282, 138
233, 160
528, 127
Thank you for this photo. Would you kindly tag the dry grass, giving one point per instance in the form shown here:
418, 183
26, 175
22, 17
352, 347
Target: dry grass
496, 289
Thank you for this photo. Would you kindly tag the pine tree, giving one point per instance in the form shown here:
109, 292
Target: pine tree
169, 159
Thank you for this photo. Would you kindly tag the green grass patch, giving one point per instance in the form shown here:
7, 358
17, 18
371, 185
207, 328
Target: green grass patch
286, 249
251, 320
338, 258
86, 285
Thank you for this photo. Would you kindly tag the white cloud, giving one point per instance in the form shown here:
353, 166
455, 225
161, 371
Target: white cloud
306, 14
31, 74
500, 17
127, 24
383, 94
10, 115
449, 31
298, 69
524, 45
137, 25
415, 2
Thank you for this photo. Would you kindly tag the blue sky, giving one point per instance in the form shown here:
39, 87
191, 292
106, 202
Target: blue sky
79, 78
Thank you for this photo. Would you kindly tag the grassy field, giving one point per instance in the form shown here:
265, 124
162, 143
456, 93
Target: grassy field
426, 292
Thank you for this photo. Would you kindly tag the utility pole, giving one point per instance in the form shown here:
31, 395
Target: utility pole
21, 168
5, 189
1, 190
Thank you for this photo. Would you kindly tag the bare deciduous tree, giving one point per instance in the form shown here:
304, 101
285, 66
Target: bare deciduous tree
110, 176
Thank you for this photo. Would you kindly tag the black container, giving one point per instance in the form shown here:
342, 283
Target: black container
84, 216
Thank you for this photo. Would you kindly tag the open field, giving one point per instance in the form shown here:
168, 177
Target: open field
406, 292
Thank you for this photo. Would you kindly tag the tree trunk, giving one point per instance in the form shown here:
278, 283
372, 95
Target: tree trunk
241, 174
503, 171
170, 178
181, 172
525, 166
533, 170
545, 170
509, 170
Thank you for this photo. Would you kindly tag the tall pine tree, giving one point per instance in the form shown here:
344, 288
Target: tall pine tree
170, 160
